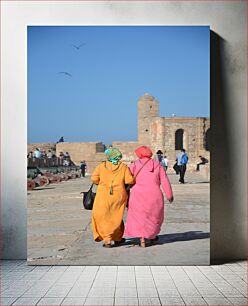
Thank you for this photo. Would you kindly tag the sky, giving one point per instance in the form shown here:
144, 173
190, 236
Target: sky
112, 68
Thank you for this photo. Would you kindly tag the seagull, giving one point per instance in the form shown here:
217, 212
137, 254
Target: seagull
78, 47
65, 73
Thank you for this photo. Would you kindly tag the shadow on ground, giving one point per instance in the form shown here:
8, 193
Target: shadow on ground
174, 237
45, 188
203, 182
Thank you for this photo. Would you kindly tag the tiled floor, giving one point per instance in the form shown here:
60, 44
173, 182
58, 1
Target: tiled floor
123, 285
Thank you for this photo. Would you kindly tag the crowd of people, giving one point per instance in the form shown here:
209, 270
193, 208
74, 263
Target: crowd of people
65, 158
40, 153
180, 166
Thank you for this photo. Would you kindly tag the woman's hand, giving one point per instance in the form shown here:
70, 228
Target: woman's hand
171, 199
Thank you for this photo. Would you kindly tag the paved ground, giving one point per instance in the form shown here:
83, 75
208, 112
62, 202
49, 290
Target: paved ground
123, 285
59, 229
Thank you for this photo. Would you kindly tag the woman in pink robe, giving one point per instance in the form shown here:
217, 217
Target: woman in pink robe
146, 203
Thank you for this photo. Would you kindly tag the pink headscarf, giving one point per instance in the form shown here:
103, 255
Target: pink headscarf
143, 151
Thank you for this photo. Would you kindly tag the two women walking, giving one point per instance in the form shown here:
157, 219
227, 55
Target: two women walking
146, 203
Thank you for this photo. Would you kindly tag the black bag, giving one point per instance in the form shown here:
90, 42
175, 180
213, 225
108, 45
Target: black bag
88, 198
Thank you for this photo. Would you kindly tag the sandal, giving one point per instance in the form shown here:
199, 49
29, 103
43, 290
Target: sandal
154, 239
107, 245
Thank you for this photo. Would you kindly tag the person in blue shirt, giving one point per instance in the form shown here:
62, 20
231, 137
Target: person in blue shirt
182, 160
37, 153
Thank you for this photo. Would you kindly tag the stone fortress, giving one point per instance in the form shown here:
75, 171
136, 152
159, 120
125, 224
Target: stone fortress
168, 134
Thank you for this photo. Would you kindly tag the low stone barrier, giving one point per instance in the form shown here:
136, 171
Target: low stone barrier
205, 171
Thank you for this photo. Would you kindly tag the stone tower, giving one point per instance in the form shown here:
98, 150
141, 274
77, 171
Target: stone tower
148, 109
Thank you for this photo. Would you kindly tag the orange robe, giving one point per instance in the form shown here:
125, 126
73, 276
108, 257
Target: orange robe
108, 209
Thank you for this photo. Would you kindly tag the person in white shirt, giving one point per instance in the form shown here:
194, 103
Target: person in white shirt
49, 154
164, 162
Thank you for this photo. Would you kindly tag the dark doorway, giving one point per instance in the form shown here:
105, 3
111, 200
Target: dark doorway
179, 139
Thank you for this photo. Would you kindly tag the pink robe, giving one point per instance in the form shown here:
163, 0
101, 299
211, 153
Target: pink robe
146, 203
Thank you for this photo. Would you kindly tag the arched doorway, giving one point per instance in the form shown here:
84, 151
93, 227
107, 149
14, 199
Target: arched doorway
179, 139
207, 140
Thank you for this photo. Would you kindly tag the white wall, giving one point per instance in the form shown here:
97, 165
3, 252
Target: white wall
228, 103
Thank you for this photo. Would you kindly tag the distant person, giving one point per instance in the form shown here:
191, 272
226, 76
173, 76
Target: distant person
83, 168
145, 214
66, 162
61, 158
111, 197
66, 155
30, 154
67, 158
37, 153
164, 162
182, 160
49, 154
61, 139
162, 159
43, 153
159, 155
203, 162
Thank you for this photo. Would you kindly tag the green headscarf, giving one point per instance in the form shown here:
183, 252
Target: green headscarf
114, 155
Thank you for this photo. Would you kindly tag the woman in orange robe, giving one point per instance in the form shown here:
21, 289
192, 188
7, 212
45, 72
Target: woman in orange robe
111, 197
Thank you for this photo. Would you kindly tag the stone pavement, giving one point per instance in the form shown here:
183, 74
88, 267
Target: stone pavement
59, 229
123, 285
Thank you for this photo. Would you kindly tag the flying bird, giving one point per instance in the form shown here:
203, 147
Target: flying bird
65, 73
78, 47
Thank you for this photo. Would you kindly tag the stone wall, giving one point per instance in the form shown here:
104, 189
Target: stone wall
42, 145
159, 132
127, 148
193, 136
82, 151
205, 171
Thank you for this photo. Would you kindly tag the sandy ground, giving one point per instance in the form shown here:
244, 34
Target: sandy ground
59, 228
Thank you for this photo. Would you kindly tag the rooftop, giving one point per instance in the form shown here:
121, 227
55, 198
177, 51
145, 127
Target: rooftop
147, 97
